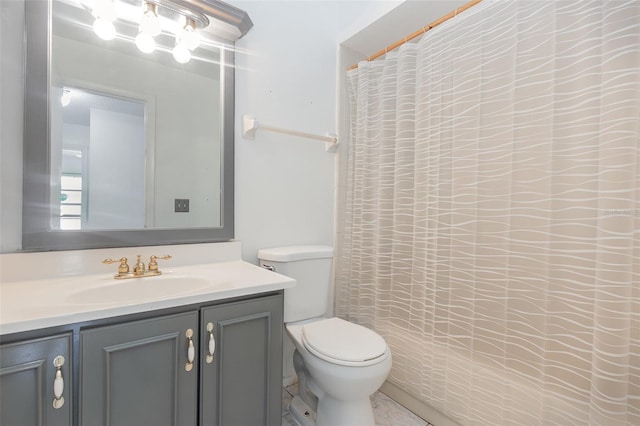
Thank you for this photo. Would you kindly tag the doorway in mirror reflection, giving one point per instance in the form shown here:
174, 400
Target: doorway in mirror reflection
98, 154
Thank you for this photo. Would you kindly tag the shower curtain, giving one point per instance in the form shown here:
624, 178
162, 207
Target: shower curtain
489, 213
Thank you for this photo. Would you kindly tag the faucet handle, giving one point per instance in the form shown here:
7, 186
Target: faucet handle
153, 261
123, 268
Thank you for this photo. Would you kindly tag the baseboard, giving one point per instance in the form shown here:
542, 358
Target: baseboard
416, 406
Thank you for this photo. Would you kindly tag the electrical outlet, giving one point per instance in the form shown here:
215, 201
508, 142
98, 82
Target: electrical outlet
181, 205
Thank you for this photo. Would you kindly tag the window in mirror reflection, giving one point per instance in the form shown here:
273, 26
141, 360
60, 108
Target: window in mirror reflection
71, 205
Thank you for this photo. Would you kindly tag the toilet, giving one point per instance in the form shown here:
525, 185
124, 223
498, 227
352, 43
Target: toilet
339, 364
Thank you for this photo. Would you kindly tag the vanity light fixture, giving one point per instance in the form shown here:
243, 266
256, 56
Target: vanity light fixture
105, 13
150, 23
145, 42
187, 40
181, 52
149, 28
65, 99
104, 29
189, 35
176, 17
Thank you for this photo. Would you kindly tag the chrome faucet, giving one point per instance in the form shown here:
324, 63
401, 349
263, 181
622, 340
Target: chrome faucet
139, 269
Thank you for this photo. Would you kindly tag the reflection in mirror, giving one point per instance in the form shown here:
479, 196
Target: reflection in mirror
73, 195
128, 132
100, 171
153, 131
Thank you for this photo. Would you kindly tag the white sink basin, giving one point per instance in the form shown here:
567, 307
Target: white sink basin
139, 289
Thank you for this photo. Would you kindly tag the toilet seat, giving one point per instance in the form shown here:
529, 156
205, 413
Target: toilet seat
343, 343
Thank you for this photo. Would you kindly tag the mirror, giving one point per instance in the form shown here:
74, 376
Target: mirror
122, 147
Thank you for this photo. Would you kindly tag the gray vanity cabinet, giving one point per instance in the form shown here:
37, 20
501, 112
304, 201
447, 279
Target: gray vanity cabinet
242, 381
138, 373
27, 377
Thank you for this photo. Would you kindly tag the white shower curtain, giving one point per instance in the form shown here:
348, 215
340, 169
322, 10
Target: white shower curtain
489, 213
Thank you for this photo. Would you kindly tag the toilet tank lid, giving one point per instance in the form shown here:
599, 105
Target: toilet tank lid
293, 253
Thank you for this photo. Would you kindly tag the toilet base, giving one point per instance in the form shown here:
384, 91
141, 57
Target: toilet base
302, 414
344, 413
332, 412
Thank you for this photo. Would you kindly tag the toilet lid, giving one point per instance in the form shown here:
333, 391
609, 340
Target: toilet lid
342, 342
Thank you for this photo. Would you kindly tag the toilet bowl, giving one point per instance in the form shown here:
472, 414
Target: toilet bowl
342, 371
339, 364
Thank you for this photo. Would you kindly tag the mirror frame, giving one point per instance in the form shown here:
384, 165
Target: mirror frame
37, 234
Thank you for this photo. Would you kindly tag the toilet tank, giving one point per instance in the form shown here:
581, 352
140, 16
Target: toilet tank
310, 266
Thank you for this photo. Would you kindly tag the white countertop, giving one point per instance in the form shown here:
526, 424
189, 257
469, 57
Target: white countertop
48, 302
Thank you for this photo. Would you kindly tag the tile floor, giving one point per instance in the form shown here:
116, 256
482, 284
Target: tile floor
386, 411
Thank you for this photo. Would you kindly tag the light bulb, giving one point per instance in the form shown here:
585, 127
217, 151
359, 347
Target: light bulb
104, 29
65, 99
150, 23
181, 53
104, 9
145, 42
190, 36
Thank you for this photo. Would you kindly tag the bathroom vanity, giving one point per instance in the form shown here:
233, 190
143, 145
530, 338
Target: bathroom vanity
88, 350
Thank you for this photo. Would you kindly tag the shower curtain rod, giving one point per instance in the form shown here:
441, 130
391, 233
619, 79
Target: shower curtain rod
418, 33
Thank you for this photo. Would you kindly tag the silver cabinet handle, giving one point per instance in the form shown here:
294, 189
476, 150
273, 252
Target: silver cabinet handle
212, 343
191, 351
58, 383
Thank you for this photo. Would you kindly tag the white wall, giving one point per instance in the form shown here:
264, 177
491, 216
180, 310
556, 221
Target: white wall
286, 73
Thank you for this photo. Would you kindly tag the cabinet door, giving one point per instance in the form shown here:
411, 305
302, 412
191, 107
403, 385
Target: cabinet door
27, 375
138, 374
242, 384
